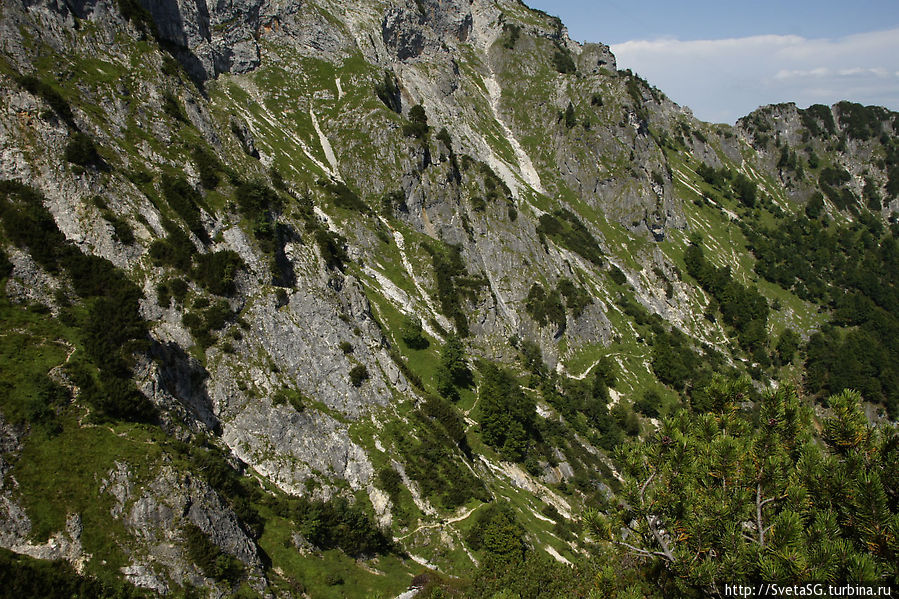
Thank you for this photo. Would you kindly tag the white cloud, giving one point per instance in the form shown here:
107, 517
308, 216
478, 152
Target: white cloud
722, 80
787, 74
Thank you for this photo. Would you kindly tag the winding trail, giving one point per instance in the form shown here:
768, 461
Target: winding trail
464, 515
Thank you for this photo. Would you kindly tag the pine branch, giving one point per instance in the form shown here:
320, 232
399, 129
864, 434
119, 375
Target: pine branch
646, 484
758, 514
759, 504
644, 552
660, 539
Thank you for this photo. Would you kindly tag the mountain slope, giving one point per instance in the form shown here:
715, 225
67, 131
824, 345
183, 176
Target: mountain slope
288, 284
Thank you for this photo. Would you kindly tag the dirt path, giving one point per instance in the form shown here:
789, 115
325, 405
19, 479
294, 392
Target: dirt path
459, 518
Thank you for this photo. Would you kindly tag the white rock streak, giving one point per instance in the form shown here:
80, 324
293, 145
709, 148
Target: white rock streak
407, 265
551, 550
525, 166
326, 146
273, 123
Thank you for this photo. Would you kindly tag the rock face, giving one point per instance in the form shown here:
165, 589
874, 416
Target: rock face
210, 38
290, 184
154, 513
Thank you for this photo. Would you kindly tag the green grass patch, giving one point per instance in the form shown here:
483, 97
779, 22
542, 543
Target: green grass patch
330, 574
60, 475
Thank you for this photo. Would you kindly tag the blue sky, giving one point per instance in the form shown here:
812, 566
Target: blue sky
723, 59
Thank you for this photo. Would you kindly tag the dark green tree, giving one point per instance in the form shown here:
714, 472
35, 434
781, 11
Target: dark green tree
507, 414
742, 494
453, 372
411, 333
418, 123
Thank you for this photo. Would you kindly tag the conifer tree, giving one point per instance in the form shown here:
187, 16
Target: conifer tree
747, 493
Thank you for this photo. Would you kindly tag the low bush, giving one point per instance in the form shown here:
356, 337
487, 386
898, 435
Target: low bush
358, 375
211, 560
208, 166
82, 150
417, 126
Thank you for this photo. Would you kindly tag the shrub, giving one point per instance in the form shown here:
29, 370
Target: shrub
649, 404
82, 151
339, 524
175, 250
507, 414
137, 15
787, 346
818, 119
254, 198
115, 397
172, 107
217, 315
358, 375
186, 202
545, 308
411, 333
860, 122
512, 32
344, 197
606, 371
576, 298
418, 123
394, 200
453, 372
565, 228
203, 323
569, 117
413, 378
170, 66
498, 533
23, 576
120, 227
291, 396
742, 307
331, 246
111, 326
208, 167
745, 189
532, 358
139, 176
443, 136
5, 265
217, 271
391, 482
432, 459
51, 96
815, 205
834, 176
452, 283
562, 61
211, 560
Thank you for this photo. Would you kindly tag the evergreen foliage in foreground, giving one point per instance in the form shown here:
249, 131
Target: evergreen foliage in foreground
743, 494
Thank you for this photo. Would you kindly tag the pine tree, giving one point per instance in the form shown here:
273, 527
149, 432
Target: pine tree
743, 493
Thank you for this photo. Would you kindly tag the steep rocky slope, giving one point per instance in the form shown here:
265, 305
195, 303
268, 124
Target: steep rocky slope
321, 226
